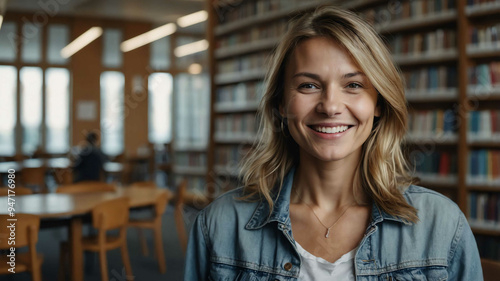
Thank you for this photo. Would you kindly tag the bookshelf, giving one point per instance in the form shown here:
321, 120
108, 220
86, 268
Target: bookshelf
449, 54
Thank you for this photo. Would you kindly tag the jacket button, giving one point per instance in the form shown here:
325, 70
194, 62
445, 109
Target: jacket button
288, 266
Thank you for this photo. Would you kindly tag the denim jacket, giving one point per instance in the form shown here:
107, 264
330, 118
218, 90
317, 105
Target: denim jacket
233, 239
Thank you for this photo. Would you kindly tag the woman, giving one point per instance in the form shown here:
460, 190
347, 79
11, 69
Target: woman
326, 191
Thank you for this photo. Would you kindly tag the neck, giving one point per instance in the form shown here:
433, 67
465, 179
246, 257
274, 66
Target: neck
327, 185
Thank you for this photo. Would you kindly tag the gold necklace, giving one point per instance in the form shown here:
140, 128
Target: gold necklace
327, 227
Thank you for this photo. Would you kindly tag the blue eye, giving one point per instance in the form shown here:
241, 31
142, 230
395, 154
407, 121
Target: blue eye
308, 86
354, 85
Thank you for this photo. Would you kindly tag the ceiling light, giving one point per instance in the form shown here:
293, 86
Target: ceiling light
83, 40
193, 18
195, 68
148, 37
191, 48
1, 20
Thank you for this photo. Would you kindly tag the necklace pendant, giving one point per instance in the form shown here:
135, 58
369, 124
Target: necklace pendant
327, 233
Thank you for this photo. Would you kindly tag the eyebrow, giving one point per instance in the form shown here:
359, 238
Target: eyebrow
307, 74
352, 74
316, 76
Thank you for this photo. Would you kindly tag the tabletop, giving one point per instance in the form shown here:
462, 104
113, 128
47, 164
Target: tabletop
55, 205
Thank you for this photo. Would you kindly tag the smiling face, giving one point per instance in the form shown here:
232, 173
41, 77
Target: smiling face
329, 102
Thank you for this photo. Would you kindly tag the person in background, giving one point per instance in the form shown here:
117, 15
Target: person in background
88, 164
327, 193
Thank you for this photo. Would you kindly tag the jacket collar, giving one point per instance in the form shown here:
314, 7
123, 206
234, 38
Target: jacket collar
281, 212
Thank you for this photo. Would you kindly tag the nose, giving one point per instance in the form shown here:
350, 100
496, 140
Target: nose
331, 102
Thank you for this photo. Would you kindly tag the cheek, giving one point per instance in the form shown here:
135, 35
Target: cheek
364, 110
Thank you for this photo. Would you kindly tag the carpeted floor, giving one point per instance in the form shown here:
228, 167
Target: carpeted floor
144, 268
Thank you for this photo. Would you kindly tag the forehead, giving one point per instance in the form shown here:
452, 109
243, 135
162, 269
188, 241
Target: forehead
321, 53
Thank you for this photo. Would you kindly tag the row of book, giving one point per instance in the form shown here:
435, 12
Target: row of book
434, 163
234, 10
488, 246
398, 10
481, 2
439, 40
484, 36
272, 30
242, 124
243, 63
484, 125
240, 93
230, 156
193, 159
432, 123
484, 75
431, 78
484, 209
484, 167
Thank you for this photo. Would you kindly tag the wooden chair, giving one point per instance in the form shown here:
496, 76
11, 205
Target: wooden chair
86, 187
109, 215
491, 269
183, 197
154, 224
63, 176
26, 229
34, 178
19, 190
142, 239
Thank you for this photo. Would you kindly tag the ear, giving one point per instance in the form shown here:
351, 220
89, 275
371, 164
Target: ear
281, 109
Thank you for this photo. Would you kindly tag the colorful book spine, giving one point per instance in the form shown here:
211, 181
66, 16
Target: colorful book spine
484, 75
423, 43
435, 164
432, 123
387, 13
484, 167
483, 125
239, 93
236, 124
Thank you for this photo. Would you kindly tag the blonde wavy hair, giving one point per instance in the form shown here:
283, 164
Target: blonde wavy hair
383, 171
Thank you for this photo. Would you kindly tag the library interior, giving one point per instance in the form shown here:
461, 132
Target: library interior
141, 111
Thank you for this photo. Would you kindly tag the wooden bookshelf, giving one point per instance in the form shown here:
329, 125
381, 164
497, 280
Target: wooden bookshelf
461, 96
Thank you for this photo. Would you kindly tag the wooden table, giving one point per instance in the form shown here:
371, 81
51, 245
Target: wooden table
74, 206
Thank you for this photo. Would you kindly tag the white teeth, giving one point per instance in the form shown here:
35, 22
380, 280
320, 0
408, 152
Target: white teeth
331, 130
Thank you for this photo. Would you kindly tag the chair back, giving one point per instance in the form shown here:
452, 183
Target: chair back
34, 176
63, 176
111, 214
26, 230
19, 190
86, 187
491, 269
144, 184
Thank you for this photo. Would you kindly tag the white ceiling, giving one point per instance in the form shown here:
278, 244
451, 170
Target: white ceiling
154, 11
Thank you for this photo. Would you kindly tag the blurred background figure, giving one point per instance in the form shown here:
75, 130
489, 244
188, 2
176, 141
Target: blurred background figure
89, 162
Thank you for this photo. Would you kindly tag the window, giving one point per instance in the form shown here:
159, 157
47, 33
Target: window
57, 110
8, 90
160, 108
112, 107
192, 108
31, 108
31, 51
160, 54
8, 42
111, 54
58, 38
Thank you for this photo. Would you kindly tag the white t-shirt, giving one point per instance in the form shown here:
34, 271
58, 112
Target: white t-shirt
315, 268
